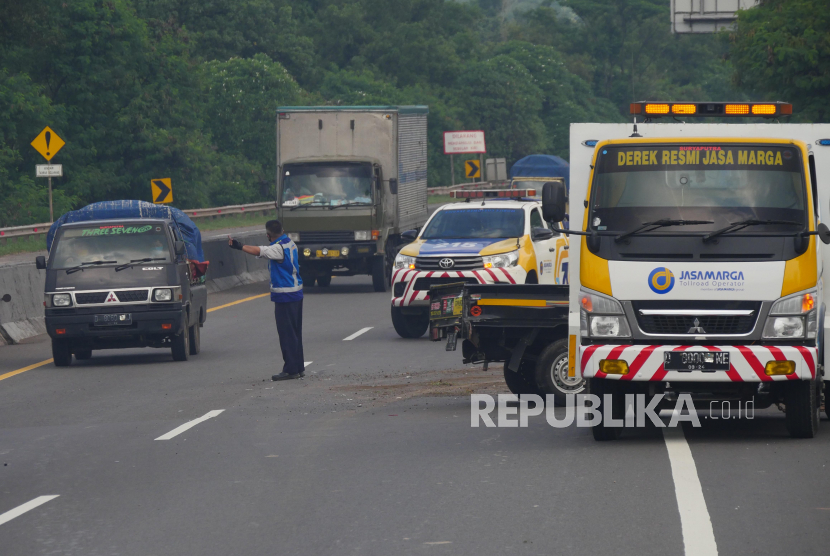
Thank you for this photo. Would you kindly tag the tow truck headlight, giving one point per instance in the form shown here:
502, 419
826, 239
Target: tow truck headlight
163, 294
61, 300
502, 261
602, 317
792, 317
404, 261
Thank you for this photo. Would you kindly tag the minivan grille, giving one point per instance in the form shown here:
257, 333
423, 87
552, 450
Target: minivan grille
126, 296
88, 298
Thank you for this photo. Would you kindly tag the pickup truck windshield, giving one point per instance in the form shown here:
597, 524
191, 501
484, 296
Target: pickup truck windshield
119, 243
327, 184
721, 184
475, 223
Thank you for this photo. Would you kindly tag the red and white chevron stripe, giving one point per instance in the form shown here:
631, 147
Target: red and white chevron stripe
746, 363
411, 296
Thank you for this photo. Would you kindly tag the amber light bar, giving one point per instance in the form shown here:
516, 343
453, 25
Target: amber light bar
491, 193
711, 109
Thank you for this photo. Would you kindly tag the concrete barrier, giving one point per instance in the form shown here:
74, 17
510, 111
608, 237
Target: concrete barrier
22, 284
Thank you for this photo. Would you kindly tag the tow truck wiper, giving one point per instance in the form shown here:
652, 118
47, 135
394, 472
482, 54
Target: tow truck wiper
137, 261
735, 226
87, 263
649, 226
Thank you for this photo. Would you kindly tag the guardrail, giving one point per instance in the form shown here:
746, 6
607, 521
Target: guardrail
214, 212
445, 190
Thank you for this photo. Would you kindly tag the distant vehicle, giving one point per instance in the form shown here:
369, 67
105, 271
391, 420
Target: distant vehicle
123, 274
497, 237
350, 180
537, 169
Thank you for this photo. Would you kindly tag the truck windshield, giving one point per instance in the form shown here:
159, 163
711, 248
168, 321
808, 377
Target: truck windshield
120, 243
327, 184
723, 184
475, 223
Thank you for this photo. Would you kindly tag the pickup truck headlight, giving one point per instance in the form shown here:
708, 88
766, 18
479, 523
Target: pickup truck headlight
163, 294
502, 261
363, 235
404, 261
294, 236
602, 317
61, 300
792, 317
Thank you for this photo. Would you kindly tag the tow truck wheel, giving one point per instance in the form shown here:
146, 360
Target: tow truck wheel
521, 381
379, 279
801, 399
61, 353
409, 326
181, 346
195, 339
83, 355
324, 281
551, 374
600, 387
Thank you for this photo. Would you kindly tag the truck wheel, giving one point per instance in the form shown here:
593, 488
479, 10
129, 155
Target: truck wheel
61, 353
522, 381
409, 326
600, 387
379, 279
551, 373
826, 397
181, 346
324, 281
83, 355
801, 399
195, 339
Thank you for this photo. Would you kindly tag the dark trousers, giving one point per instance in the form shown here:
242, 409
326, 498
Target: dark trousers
289, 318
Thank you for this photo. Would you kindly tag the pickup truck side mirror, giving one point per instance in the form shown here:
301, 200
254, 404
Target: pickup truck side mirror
393, 185
180, 249
409, 236
554, 198
40, 262
540, 234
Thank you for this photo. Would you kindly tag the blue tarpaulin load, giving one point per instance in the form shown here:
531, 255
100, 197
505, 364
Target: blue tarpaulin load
111, 210
542, 166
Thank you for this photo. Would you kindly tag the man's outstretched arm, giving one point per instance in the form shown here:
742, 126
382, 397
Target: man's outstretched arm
236, 244
274, 252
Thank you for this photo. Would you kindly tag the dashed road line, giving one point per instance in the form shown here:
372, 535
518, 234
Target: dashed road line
23, 508
190, 424
307, 363
24, 369
358, 333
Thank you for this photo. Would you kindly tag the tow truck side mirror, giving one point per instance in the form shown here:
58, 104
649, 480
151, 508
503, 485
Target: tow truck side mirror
40, 262
823, 233
409, 236
179, 246
554, 199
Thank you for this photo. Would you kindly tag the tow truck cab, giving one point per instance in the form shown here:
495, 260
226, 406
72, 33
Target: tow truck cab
699, 269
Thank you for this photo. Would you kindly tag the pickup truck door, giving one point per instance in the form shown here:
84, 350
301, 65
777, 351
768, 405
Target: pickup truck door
546, 252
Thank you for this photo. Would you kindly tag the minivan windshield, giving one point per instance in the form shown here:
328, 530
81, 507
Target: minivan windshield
475, 223
722, 184
116, 243
327, 184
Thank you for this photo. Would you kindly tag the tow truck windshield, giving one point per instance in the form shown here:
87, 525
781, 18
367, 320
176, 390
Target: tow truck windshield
110, 244
709, 187
475, 223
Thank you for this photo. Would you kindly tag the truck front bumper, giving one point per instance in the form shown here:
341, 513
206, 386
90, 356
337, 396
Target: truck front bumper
411, 287
747, 363
144, 323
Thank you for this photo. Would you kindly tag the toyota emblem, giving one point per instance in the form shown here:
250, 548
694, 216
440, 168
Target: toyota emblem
446, 263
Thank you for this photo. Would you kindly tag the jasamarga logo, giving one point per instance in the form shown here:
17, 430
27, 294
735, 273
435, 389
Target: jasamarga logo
661, 280
713, 280
735, 275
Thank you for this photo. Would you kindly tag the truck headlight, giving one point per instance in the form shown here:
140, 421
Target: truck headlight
502, 261
404, 261
344, 251
792, 317
294, 236
602, 317
363, 235
61, 300
163, 294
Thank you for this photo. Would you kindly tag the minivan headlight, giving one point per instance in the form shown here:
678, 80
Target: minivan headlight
792, 317
601, 316
163, 294
502, 261
61, 300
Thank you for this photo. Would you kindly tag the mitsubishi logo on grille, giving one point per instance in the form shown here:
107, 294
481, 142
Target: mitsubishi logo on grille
446, 263
111, 298
696, 329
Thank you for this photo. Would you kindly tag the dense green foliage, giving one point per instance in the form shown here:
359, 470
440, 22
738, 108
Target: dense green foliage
187, 89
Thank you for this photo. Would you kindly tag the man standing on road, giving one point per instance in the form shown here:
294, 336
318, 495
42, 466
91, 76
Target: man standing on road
286, 293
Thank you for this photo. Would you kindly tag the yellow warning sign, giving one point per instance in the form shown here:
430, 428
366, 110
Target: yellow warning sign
48, 143
162, 191
472, 168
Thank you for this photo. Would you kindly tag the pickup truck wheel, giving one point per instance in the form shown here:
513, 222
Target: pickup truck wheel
551, 374
409, 326
83, 355
521, 381
324, 281
801, 399
61, 353
195, 339
600, 387
379, 279
181, 346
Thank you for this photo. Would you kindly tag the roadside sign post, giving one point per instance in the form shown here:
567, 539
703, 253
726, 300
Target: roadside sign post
47, 143
472, 169
464, 142
452, 171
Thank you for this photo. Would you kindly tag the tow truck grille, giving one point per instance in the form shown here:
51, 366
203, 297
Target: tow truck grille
427, 283
683, 324
458, 263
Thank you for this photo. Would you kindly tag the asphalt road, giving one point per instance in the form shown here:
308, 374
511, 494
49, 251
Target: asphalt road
371, 453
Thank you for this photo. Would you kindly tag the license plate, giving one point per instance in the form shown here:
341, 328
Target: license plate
696, 360
118, 319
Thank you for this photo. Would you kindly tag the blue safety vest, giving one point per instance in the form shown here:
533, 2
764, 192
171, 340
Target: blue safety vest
286, 284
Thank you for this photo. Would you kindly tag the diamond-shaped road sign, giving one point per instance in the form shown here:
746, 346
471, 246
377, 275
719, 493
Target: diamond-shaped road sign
162, 191
48, 143
472, 168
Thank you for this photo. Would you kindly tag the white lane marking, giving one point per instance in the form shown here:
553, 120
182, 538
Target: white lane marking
698, 536
23, 508
358, 333
178, 430
307, 363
